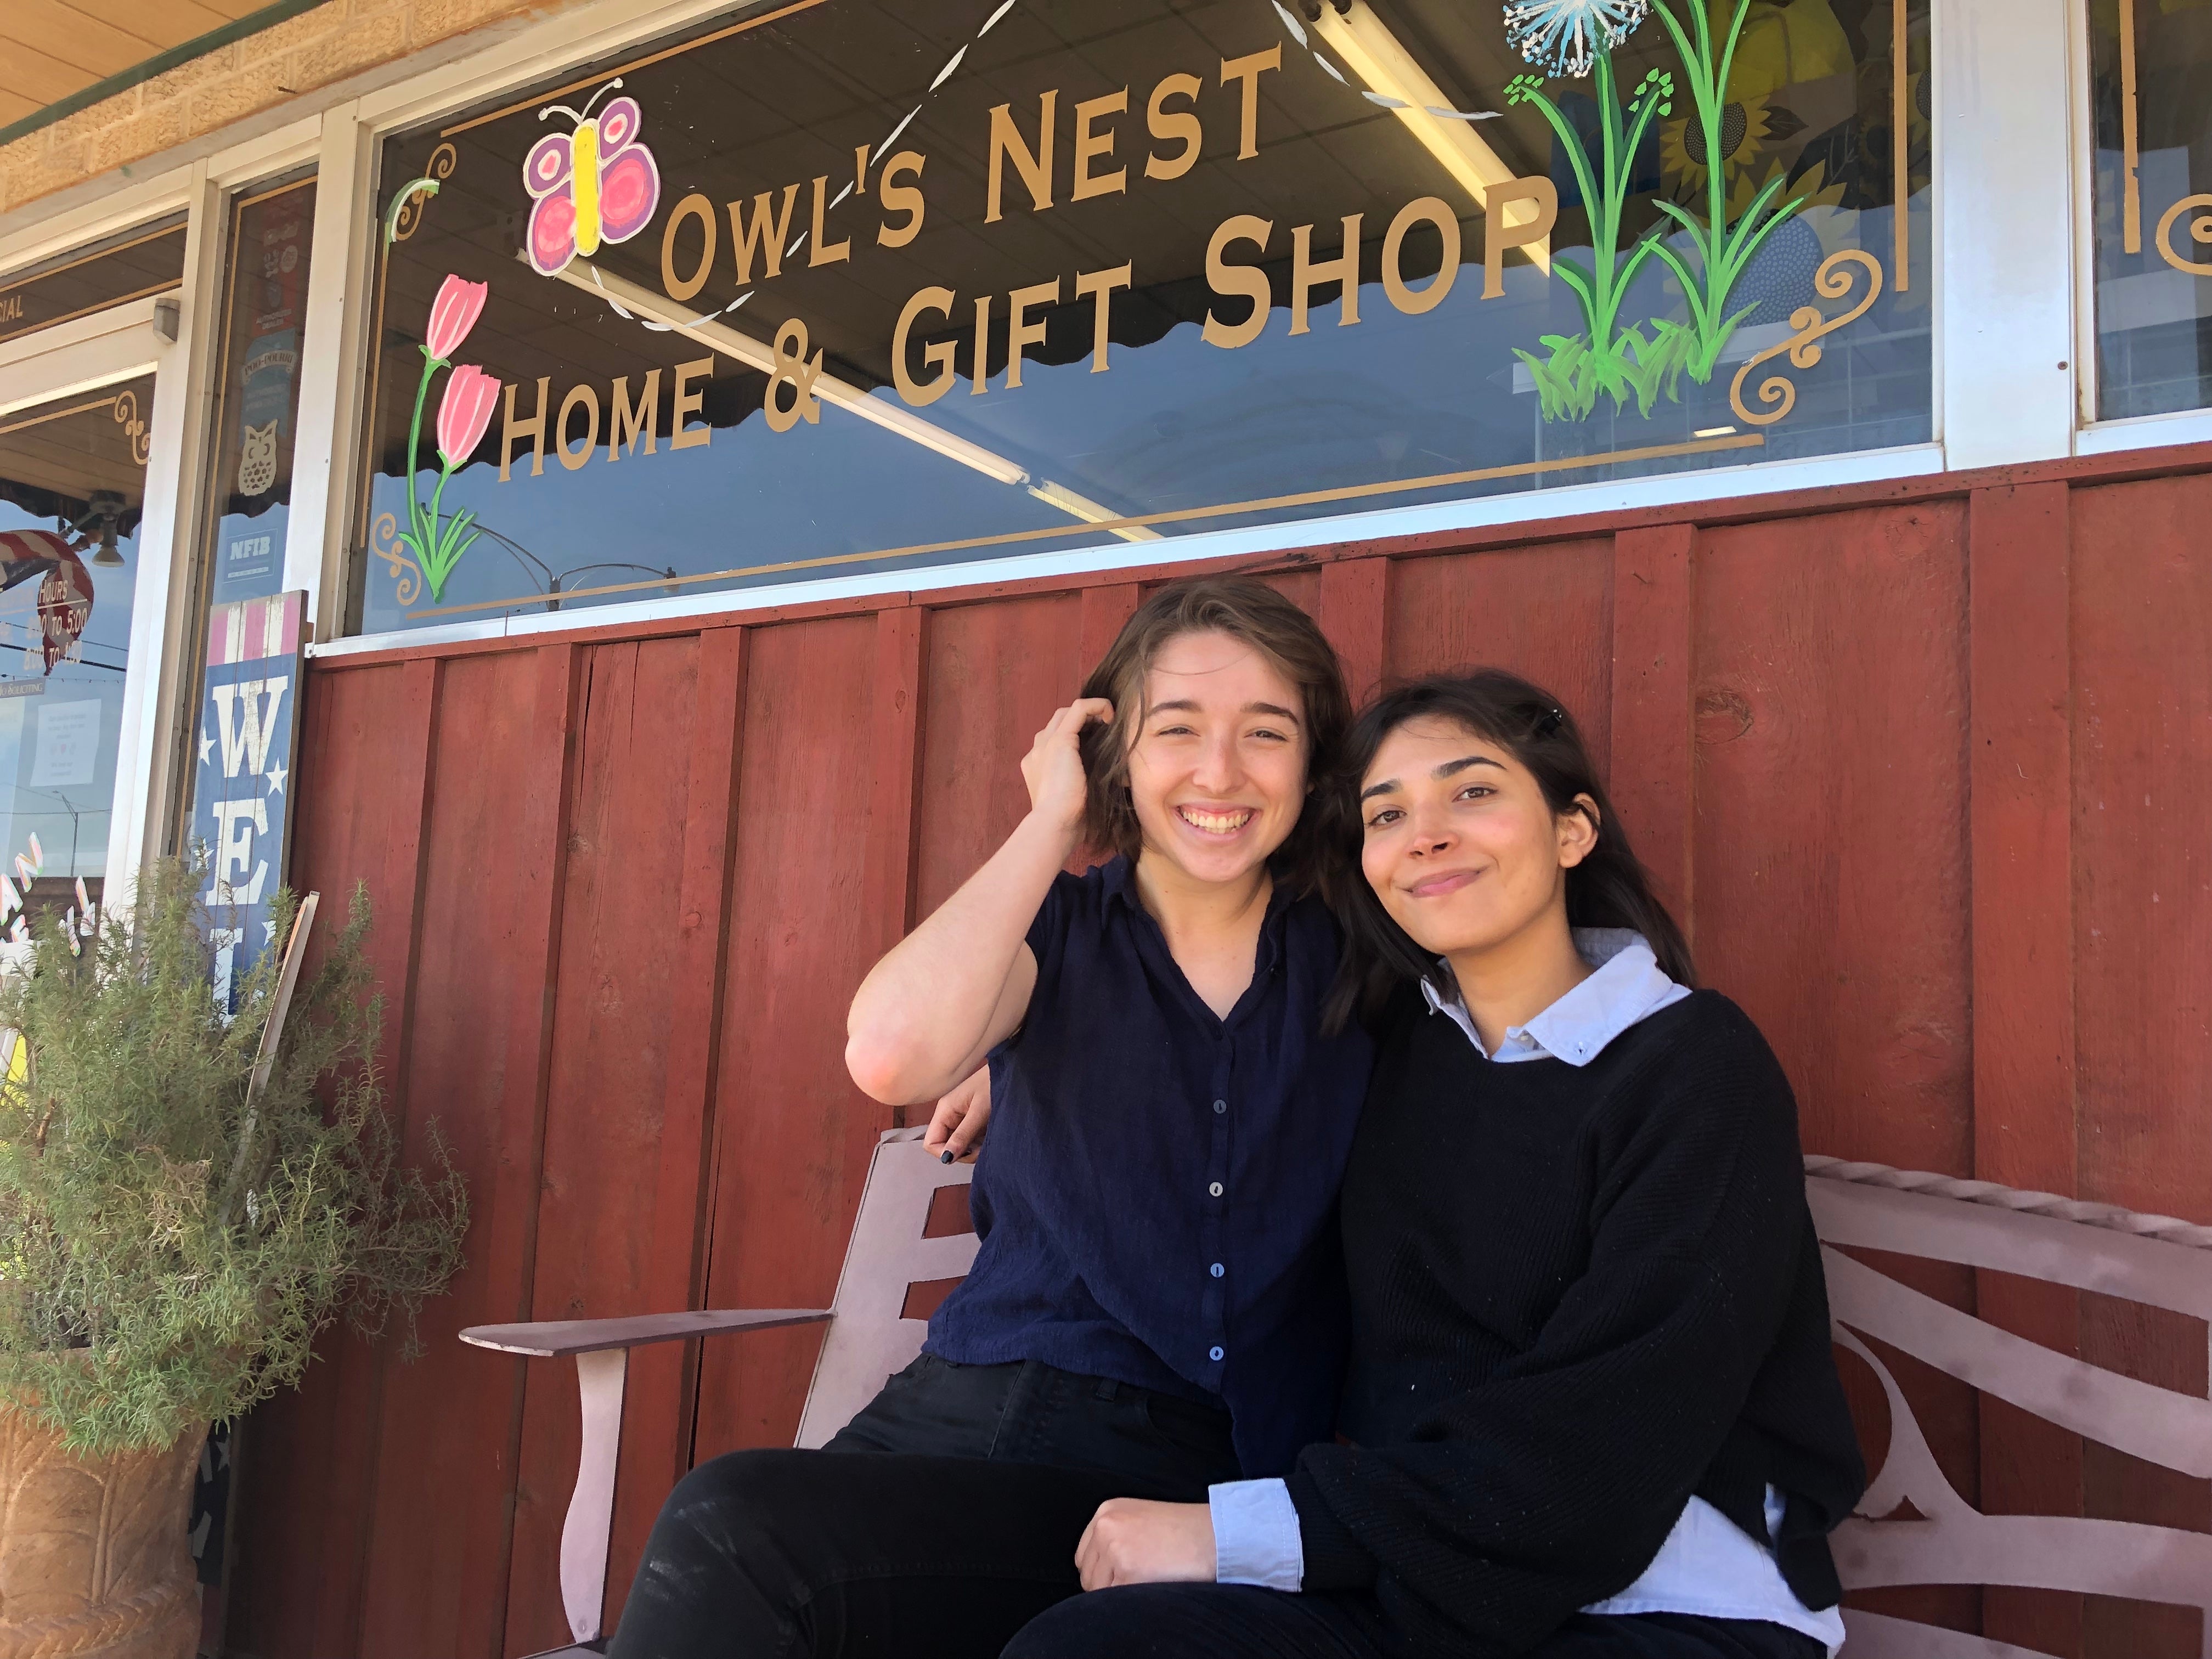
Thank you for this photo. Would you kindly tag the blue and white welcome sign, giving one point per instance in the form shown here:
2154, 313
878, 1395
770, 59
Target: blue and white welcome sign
241, 798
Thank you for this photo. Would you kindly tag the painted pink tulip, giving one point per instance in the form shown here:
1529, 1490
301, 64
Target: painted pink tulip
466, 413
453, 314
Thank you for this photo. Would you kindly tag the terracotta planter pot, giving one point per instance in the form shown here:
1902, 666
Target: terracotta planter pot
93, 1563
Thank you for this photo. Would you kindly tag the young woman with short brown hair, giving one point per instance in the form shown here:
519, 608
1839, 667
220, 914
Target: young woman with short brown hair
1157, 1304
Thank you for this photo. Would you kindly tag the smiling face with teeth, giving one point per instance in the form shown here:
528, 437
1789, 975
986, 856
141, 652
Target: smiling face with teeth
1217, 767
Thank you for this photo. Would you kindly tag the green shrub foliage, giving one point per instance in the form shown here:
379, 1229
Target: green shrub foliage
168, 1254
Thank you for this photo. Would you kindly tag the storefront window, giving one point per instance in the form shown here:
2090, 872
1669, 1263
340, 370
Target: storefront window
256, 408
72, 483
856, 287
146, 260
2153, 193
236, 735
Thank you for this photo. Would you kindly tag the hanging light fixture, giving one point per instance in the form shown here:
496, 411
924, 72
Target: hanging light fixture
101, 514
1396, 80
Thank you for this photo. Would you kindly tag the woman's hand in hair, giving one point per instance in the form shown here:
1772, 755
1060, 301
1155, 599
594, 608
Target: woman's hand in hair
956, 1127
1053, 767
959, 985
1134, 1540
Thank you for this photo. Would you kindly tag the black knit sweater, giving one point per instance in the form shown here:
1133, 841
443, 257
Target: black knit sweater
1580, 1296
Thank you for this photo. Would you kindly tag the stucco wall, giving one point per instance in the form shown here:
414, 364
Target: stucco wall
334, 40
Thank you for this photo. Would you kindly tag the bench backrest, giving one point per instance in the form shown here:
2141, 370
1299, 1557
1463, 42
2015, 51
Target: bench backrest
1950, 1541
870, 1338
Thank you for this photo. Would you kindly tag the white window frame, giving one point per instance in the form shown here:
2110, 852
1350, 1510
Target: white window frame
109, 345
2134, 432
2010, 326
2004, 342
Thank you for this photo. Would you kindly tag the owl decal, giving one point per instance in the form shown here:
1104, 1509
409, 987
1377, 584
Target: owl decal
256, 458
593, 183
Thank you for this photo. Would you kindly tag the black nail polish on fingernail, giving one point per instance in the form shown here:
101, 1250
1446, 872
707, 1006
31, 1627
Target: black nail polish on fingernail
945, 1156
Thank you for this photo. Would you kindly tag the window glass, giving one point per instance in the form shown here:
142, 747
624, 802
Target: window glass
863, 286
257, 409
72, 484
228, 724
149, 260
2152, 188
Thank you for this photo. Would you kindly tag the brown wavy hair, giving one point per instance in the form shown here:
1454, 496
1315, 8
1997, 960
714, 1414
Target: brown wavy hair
1246, 610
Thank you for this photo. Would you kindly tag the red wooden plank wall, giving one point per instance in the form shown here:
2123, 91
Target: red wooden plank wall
1926, 767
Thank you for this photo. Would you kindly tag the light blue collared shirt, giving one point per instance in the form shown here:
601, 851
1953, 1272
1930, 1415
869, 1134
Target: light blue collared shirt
1627, 986
1707, 1565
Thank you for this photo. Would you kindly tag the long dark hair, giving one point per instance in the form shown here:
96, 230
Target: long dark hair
1607, 888
1245, 609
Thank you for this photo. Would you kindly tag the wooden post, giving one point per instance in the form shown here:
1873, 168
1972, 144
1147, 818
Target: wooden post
1653, 763
901, 644
1100, 612
2020, 800
510, 1227
684, 1183
350, 1493
900, 664
1355, 613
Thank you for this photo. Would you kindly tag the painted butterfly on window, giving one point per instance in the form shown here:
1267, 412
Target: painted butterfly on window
596, 184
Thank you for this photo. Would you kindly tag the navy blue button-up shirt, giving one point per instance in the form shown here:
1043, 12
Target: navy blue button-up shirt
1156, 1197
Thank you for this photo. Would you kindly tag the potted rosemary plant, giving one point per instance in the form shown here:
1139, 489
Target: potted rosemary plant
186, 1199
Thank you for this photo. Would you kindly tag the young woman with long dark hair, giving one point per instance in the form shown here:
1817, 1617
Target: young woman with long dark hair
1592, 1408
1157, 1304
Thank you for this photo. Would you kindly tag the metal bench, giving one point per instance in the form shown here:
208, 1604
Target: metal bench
868, 1339
1911, 1528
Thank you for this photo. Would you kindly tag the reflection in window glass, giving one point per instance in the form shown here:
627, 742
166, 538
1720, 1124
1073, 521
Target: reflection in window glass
72, 484
265, 293
874, 286
256, 417
2153, 193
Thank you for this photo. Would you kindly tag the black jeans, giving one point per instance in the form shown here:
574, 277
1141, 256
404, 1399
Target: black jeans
1028, 1413
1233, 1621
777, 1554
955, 1524
892, 1555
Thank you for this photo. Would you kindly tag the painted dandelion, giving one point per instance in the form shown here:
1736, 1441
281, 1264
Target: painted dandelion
1564, 37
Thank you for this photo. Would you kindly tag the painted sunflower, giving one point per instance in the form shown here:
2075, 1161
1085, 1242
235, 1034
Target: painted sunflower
1747, 126
1812, 188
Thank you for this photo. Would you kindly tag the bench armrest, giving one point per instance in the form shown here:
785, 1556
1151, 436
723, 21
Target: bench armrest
557, 1338
601, 1349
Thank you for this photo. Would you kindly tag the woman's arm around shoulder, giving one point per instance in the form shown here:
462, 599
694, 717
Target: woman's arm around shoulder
958, 1123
